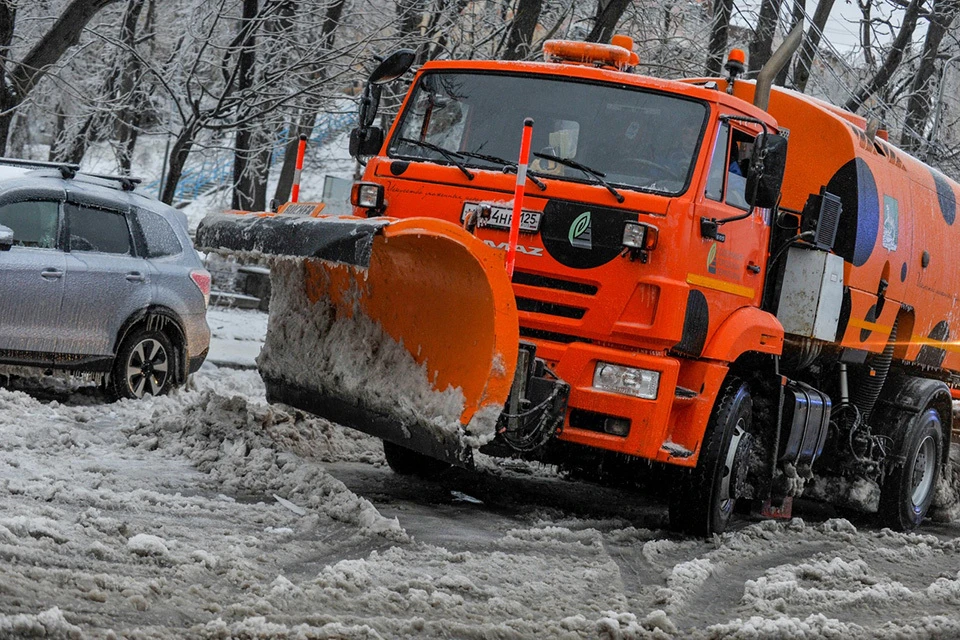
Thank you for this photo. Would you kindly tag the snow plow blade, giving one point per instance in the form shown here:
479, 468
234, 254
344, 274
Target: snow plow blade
403, 329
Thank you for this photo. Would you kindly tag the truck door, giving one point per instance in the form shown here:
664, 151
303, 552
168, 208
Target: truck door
728, 270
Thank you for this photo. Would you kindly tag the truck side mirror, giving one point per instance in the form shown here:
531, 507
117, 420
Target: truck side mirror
369, 103
366, 141
765, 176
393, 66
6, 238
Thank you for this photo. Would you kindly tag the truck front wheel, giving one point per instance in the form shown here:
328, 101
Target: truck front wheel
908, 490
704, 499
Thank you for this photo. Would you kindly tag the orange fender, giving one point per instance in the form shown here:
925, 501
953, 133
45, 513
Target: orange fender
746, 329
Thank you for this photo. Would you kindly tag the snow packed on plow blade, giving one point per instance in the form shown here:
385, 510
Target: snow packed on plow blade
406, 330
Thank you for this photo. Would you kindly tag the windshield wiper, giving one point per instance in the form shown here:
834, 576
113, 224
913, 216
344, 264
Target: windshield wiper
451, 156
598, 175
506, 165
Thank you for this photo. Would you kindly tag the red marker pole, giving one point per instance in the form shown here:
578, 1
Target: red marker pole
518, 195
301, 149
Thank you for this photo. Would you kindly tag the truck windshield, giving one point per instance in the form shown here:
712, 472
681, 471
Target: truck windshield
633, 138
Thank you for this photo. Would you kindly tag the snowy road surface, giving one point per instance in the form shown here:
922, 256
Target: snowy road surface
209, 514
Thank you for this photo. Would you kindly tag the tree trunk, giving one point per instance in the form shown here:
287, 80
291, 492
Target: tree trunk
801, 72
719, 27
892, 61
244, 174
128, 119
762, 44
303, 125
866, 32
609, 13
178, 159
117, 87
918, 106
799, 11
19, 78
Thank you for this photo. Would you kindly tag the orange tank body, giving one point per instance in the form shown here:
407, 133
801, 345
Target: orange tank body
897, 231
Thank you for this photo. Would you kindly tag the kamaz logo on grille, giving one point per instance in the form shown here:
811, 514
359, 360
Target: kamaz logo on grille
580, 234
505, 246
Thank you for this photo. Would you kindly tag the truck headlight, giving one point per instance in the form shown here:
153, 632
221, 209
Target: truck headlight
639, 383
637, 235
368, 195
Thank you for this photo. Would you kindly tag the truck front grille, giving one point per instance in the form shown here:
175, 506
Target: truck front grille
545, 282
550, 308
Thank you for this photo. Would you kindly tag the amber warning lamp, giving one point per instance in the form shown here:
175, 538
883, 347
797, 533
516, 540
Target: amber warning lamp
735, 66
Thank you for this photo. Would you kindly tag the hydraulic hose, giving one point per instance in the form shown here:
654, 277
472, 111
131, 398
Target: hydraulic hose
868, 388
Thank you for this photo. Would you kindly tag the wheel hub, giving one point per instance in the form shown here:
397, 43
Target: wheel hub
147, 368
924, 471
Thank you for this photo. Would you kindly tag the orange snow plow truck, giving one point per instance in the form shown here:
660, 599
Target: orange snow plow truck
746, 289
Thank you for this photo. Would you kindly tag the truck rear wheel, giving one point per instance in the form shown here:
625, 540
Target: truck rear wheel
704, 500
908, 490
407, 462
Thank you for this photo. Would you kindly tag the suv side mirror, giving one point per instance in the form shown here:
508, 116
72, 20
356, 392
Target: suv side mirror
765, 176
6, 238
366, 141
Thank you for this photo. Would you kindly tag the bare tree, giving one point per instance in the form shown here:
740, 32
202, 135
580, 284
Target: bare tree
892, 59
20, 77
719, 26
762, 44
608, 15
520, 34
249, 190
305, 117
943, 13
801, 71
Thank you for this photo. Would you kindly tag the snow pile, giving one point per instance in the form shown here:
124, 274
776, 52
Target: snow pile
46, 624
241, 445
355, 360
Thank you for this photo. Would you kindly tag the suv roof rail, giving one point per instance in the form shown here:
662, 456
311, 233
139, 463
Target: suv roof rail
69, 170
127, 183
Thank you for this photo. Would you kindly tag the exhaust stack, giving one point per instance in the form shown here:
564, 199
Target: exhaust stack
776, 62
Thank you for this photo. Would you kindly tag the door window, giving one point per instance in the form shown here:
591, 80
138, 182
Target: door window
34, 224
727, 180
158, 237
97, 230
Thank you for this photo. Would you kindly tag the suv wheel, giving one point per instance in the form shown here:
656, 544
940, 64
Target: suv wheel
144, 364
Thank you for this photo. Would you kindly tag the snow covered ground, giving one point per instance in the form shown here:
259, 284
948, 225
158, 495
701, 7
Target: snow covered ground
209, 514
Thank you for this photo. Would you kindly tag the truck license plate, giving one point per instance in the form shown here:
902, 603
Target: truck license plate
500, 217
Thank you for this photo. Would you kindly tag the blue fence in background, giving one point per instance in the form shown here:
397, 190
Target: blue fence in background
217, 171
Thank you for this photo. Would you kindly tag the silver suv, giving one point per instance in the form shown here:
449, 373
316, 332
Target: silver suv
98, 277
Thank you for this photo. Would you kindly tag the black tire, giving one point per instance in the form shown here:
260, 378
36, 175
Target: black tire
908, 489
407, 462
145, 363
703, 501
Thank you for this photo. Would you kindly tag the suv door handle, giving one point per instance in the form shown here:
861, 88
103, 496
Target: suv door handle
135, 276
51, 274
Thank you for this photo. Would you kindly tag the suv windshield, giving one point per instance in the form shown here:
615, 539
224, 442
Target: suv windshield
631, 137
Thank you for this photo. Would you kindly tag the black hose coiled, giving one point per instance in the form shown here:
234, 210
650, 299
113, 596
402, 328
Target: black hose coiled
868, 386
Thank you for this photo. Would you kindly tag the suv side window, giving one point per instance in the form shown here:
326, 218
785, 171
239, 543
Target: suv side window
157, 238
34, 224
97, 230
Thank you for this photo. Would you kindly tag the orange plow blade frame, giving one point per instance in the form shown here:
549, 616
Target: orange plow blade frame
446, 298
